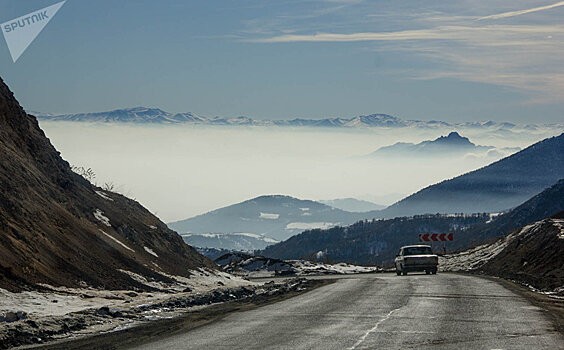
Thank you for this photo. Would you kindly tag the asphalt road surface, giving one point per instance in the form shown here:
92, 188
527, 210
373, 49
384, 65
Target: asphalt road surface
376, 311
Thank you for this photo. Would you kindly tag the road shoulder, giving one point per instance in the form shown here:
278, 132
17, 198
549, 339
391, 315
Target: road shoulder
552, 306
155, 330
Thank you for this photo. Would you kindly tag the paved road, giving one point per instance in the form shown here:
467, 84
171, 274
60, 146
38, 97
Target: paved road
446, 311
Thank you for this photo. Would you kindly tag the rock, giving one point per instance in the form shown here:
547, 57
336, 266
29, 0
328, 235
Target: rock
109, 311
187, 290
131, 294
104, 310
11, 316
115, 312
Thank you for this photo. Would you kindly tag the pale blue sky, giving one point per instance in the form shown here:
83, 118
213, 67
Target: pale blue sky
425, 59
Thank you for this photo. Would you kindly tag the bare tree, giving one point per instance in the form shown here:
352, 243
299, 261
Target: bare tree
86, 173
109, 186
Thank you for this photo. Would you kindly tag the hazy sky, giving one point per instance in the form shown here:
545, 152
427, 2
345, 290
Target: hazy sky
419, 59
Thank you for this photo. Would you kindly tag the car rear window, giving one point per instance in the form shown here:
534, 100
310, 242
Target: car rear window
417, 251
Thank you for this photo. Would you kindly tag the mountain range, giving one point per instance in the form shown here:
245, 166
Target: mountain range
497, 187
377, 241
56, 228
158, 116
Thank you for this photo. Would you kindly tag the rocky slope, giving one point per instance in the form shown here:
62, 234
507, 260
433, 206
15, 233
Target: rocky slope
56, 228
532, 255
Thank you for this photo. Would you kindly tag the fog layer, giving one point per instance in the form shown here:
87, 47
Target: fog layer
182, 171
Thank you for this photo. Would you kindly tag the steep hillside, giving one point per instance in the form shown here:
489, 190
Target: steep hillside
543, 205
368, 242
275, 217
531, 255
494, 188
57, 228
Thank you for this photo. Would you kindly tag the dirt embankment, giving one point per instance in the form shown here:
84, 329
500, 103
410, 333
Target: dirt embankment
532, 256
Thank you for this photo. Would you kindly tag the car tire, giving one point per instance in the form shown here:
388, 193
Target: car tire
434, 272
427, 272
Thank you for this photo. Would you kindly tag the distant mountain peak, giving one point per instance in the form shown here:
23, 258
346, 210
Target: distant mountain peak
452, 144
454, 138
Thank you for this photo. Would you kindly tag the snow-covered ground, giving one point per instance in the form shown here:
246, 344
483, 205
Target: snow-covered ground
35, 317
310, 225
476, 257
307, 267
259, 266
61, 300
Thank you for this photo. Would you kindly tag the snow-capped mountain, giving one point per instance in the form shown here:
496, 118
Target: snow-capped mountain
128, 115
158, 116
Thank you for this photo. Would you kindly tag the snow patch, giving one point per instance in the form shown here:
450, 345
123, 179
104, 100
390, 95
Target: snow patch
117, 241
201, 280
256, 236
150, 251
269, 216
103, 195
492, 217
560, 224
310, 225
208, 235
99, 215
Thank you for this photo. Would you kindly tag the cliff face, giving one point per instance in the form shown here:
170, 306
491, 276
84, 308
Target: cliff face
57, 228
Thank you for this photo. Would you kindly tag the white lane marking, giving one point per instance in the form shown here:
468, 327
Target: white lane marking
373, 329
